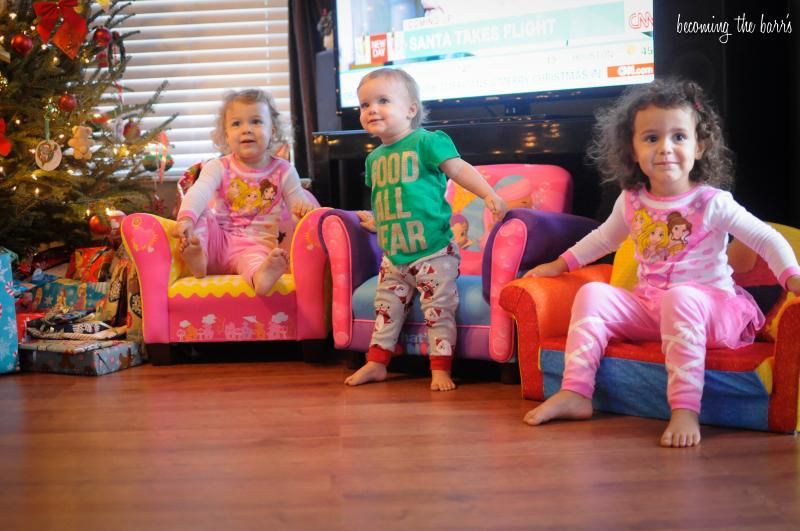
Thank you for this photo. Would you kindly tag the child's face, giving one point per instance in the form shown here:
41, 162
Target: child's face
248, 129
386, 108
665, 147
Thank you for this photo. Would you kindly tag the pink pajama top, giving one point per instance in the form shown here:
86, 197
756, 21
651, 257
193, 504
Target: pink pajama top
683, 239
245, 201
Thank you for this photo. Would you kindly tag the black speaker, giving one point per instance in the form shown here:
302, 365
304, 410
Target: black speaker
327, 117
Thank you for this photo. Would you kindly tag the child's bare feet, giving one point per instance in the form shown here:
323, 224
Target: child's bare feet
276, 264
441, 381
371, 372
562, 405
683, 429
194, 257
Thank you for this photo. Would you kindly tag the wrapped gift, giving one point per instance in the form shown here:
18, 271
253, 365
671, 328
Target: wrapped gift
91, 358
9, 361
22, 321
76, 294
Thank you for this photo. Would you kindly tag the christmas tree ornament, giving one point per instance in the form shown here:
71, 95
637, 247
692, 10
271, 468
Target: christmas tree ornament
22, 44
81, 142
67, 102
73, 29
48, 155
152, 161
5, 143
3, 82
105, 4
98, 226
131, 131
102, 59
102, 36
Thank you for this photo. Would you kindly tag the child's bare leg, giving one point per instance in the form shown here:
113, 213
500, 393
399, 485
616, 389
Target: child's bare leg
276, 264
194, 257
372, 371
683, 429
441, 380
564, 404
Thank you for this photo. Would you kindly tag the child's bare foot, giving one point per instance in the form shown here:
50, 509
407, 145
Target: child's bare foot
683, 429
194, 257
441, 381
371, 372
562, 405
276, 264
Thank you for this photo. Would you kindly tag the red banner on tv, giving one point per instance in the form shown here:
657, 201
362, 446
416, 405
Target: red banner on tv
378, 49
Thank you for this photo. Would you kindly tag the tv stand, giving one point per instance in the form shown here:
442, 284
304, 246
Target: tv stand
338, 179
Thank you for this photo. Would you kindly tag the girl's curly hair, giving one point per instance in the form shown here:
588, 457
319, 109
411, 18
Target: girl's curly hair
612, 147
281, 129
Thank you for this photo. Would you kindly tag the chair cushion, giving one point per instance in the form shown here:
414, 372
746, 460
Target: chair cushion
472, 318
632, 380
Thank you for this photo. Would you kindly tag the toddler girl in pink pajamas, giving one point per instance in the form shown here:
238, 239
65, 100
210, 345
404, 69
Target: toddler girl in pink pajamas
663, 144
228, 221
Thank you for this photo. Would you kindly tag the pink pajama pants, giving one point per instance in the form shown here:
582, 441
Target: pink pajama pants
229, 253
687, 319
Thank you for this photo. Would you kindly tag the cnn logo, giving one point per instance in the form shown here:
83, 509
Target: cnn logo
641, 20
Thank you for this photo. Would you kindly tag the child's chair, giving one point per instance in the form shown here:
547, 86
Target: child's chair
178, 308
491, 256
752, 387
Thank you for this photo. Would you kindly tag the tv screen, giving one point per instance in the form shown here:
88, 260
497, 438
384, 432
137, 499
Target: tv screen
458, 49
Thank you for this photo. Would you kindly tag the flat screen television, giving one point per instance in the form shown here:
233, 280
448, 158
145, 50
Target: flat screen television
496, 50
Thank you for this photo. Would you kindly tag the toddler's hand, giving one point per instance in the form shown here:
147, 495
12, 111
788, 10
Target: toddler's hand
183, 230
367, 220
550, 269
793, 284
302, 208
496, 205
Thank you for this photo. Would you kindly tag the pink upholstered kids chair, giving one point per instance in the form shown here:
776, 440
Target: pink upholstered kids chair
178, 308
753, 387
536, 230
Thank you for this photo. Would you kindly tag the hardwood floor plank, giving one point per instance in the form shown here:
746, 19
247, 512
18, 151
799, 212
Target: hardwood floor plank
285, 445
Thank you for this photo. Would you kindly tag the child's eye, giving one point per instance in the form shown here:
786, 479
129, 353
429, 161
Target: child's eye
258, 121
364, 105
650, 138
235, 123
680, 137
383, 100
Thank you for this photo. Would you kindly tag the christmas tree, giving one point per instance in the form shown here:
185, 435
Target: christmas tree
71, 149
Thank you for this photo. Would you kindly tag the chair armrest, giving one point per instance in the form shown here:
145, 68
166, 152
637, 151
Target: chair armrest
354, 258
146, 238
309, 263
546, 302
524, 239
783, 409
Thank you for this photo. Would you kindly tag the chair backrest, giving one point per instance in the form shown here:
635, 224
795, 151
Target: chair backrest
287, 222
540, 186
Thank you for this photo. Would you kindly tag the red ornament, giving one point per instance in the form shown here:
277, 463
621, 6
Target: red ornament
97, 226
22, 44
100, 118
67, 102
102, 59
102, 36
131, 131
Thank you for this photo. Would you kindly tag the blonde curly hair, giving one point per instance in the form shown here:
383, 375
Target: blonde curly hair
281, 129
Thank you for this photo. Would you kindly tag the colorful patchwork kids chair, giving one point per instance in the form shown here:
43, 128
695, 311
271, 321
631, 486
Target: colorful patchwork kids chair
753, 387
536, 230
178, 308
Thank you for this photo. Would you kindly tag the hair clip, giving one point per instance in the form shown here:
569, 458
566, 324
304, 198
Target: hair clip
697, 105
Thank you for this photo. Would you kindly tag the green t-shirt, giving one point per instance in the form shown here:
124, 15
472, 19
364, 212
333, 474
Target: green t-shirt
412, 216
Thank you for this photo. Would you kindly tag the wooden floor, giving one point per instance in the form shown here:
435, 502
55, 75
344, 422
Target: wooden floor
284, 445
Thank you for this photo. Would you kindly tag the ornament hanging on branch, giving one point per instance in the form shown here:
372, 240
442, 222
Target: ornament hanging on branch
98, 226
5, 143
22, 44
70, 34
81, 142
48, 155
102, 36
131, 131
67, 102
